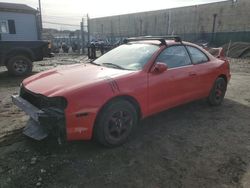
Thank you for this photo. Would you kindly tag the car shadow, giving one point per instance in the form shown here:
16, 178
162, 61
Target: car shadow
189, 115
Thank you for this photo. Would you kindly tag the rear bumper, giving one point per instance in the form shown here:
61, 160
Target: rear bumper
42, 122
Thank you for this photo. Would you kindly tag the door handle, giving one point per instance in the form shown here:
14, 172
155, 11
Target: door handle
192, 74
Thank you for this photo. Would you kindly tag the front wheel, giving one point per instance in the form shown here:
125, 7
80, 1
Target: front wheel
19, 65
115, 123
217, 93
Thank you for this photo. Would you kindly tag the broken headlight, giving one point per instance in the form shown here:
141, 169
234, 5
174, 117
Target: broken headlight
41, 101
56, 102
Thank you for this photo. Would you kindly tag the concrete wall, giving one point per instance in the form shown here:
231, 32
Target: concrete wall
192, 22
25, 24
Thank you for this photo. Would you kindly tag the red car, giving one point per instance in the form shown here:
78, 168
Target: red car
106, 98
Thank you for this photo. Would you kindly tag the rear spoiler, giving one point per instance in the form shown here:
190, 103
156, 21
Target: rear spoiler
217, 52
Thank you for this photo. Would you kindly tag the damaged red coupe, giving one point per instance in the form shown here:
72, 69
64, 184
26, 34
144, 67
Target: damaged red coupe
106, 98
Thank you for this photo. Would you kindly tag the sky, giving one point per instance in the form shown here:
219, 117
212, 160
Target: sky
71, 11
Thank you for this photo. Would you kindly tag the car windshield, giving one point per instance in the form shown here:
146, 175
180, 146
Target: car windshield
128, 56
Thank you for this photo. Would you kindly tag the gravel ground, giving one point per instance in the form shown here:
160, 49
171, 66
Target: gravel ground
191, 146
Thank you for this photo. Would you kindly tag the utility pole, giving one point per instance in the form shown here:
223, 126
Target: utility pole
40, 17
40, 9
78, 42
82, 36
88, 22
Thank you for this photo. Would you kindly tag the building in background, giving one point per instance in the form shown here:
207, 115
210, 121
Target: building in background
18, 22
217, 23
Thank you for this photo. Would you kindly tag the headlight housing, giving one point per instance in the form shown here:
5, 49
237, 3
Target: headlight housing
41, 101
57, 102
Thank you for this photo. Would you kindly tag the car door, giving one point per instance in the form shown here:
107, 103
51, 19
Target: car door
204, 71
175, 85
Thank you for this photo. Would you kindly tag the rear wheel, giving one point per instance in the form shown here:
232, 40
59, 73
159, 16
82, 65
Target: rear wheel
19, 65
115, 123
218, 92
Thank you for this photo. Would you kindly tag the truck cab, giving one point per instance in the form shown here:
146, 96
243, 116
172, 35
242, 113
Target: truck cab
20, 38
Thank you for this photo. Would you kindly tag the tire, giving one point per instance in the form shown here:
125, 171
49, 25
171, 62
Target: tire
115, 123
218, 92
19, 65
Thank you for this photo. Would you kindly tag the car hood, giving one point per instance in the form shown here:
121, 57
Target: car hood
62, 79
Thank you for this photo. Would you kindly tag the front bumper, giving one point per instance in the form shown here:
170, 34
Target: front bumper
42, 122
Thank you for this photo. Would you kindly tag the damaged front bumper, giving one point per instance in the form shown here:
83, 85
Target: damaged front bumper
42, 122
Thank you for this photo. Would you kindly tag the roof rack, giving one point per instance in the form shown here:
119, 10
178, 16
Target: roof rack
162, 39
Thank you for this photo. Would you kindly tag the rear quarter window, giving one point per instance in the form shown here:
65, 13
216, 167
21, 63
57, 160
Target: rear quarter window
197, 55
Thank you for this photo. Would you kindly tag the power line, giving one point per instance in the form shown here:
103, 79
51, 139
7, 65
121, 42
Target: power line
56, 23
63, 17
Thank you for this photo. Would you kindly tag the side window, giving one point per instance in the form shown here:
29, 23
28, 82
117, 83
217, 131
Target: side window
4, 27
197, 55
12, 28
174, 56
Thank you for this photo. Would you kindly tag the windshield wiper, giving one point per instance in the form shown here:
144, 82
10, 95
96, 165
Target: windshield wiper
114, 65
93, 63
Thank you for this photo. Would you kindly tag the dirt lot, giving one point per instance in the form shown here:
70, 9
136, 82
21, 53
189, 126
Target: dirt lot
194, 145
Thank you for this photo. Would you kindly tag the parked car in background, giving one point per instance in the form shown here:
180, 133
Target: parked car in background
106, 98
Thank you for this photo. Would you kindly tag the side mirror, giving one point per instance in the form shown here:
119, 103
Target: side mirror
159, 67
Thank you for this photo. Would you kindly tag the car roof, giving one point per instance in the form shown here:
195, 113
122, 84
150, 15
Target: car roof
172, 43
